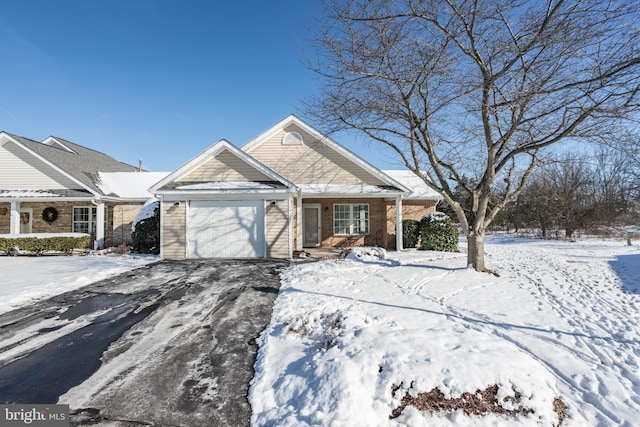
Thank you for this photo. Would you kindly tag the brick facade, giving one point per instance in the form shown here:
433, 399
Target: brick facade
117, 230
382, 221
5, 217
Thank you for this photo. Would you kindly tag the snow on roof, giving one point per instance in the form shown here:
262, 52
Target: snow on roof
419, 190
346, 189
28, 193
226, 185
129, 185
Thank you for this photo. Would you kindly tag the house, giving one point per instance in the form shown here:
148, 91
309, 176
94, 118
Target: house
56, 186
289, 188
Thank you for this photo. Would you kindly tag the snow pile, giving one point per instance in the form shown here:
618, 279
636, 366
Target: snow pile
353, 343
366, 253
26, 280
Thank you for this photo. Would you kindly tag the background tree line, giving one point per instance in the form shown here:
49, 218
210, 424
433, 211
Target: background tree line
571, 192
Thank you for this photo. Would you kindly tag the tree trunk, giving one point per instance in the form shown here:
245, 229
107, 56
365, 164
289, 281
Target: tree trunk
475, 250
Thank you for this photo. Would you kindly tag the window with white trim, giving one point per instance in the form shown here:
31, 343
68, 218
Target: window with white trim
84, 219
350, 219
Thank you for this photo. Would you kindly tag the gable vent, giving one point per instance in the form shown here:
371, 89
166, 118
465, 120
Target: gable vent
292, 138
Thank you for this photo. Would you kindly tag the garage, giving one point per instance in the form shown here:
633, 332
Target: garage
226, 229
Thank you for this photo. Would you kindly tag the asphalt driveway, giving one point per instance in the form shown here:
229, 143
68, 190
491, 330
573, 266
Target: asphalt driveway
171, 344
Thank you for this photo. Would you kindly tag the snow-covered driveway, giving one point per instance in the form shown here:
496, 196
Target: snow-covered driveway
361, 342
183, 344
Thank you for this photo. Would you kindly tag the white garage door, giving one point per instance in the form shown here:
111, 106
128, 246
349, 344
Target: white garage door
230, 229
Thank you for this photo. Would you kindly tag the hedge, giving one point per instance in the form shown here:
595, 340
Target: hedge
38, 245
410, 233
438, 233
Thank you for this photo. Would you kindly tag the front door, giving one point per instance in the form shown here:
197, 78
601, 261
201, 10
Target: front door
312, 225
26, 220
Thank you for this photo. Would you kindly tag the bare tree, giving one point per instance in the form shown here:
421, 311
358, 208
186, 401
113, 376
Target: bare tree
462, 88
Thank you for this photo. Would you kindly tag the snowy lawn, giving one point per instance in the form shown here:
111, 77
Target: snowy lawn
367, 341
24, 280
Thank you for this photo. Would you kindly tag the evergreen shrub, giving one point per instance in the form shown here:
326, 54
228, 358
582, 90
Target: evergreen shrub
146, 234
410, 233
438, 233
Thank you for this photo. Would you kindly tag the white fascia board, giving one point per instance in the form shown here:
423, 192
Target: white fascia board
292, 119
46, 199
210, 194
213, 151
36, 155
53, 140
390, 195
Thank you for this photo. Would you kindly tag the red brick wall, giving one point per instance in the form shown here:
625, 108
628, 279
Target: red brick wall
377, 223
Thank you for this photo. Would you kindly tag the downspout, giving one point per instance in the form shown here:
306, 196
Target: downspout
161, 212
290, 226
299, 221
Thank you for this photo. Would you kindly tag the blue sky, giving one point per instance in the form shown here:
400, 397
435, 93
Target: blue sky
156, 80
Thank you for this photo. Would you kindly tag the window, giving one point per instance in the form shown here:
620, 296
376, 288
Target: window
350, 219
84, 219
292, 138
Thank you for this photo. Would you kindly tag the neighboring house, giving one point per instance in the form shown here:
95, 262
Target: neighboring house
56, 186
289, 188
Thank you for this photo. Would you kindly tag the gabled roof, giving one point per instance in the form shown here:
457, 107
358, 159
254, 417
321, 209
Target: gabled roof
327, 142
165, 185
78, 163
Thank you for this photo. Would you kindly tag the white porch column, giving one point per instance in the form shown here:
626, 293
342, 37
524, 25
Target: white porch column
299, 223
100, 225
14, 219
399, 223
290, 226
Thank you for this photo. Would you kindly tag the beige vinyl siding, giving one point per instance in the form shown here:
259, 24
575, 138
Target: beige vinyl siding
277, 233
226, 167
122, 218
173, 230
22, 171
310, 163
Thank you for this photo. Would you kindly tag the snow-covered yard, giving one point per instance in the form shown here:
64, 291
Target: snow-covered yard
365, 341
25, 280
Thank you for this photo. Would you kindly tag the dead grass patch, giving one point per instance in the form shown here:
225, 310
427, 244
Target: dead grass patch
560, 408
479, 403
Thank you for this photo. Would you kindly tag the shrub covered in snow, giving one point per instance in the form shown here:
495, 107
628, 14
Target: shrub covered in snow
438, 233
145, 233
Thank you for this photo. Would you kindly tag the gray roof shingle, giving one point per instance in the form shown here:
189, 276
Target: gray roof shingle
83, 164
